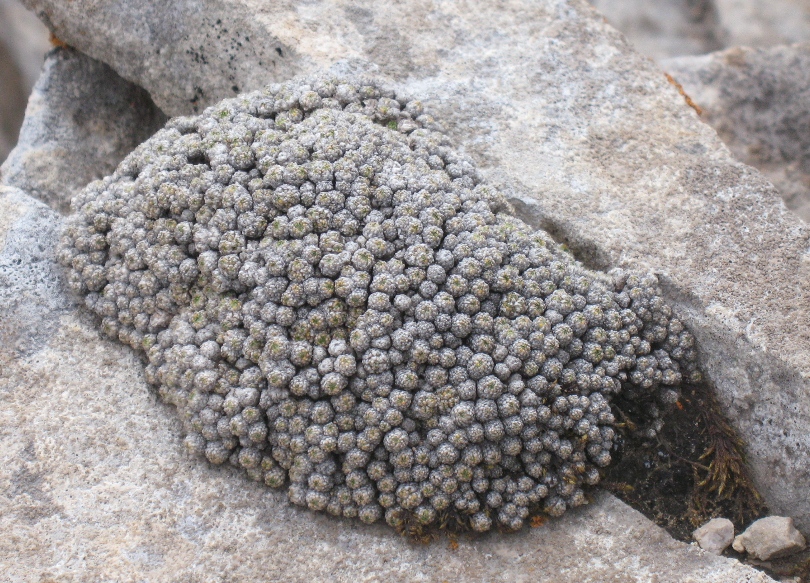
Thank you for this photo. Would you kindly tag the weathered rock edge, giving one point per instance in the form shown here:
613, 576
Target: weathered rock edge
81, 120
756, 99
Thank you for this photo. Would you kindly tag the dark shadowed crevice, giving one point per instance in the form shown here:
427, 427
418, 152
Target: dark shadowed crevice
12, 102
583, 250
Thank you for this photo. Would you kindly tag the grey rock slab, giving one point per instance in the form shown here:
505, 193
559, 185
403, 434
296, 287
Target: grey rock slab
188, 54
666, 28
81, 120
95, 485
770, 538
715, 536
32, 299
26, 39
672, 28
757, 100
587, 136
23, 44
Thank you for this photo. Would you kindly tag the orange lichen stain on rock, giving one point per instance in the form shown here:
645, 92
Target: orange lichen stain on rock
537, 521
686, 97
57, 42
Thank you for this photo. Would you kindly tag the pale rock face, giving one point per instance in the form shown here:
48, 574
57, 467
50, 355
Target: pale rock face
757, 99
674, 28
81, 120
587, 137
753, 94
32, 297
715, 536
770, 538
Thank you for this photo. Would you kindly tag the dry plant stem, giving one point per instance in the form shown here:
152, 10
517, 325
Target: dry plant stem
728, 474
726, 478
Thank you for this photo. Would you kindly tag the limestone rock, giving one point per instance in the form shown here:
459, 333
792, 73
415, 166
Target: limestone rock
715, 536
82, 119
23, 43
770, 538
757, 100
674, 28
32, 298
666, 28
557, 109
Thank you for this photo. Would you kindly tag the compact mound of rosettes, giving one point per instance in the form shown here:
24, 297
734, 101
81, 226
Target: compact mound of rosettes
335, 303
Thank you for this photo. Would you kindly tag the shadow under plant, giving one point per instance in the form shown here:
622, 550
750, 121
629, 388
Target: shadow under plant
692, 471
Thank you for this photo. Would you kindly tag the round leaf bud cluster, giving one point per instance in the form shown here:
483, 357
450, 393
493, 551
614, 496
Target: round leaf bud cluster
335, 302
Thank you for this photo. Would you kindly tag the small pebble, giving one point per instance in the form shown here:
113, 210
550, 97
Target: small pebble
770, 538
715, 536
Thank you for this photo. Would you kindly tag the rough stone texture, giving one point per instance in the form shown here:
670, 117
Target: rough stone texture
770, 538
95, 485
82, 119
590, 139
715, 536
672, 28
23, 43
32, 298
757, 100
666, 28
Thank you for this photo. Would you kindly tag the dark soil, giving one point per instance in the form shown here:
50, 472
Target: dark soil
692, 471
